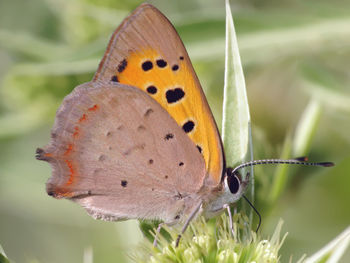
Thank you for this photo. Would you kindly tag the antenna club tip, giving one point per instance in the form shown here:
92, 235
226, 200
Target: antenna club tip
327, 164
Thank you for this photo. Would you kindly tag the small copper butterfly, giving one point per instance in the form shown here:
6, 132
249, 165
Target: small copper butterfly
139, 140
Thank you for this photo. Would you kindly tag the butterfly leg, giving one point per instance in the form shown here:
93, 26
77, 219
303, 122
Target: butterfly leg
192, 215
227, 207
155, 241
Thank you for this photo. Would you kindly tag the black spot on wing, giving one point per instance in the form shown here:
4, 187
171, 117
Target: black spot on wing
174, 95
122, 65
151, 89
169, 136
175, 67
147, 65
199, 148
115, 78
181, 164
124, 183
188, 126
161, 63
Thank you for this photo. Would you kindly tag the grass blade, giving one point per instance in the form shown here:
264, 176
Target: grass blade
306, 128
333, 251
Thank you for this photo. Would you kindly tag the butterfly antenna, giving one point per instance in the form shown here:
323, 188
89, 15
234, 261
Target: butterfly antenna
300, 161
255, 210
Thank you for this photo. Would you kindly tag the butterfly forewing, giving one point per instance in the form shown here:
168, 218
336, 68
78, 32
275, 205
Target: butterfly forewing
146, 52
118, 153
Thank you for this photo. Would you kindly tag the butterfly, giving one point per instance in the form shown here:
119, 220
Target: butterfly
139, 141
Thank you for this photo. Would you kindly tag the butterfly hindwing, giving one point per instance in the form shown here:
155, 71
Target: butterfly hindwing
119, 154
146, 52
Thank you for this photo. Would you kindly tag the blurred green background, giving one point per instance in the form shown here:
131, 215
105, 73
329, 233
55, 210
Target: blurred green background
295, 55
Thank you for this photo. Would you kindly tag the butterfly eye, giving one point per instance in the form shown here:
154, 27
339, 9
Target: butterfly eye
233, 183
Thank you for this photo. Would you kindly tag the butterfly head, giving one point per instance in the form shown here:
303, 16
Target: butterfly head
234, 186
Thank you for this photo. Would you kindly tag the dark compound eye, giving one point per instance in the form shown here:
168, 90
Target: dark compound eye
233, 183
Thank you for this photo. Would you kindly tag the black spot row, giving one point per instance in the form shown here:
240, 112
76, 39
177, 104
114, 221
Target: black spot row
174, 95
161, 63
147, 65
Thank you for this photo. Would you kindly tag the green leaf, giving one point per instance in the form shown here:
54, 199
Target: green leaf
236, 129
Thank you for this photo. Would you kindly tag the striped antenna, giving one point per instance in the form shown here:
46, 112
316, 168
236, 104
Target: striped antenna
299, 161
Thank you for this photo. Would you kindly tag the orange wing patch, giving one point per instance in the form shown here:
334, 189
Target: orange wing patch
173, 86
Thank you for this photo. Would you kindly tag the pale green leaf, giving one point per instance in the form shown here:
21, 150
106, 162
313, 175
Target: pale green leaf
236, 118
236, 129
333, 251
